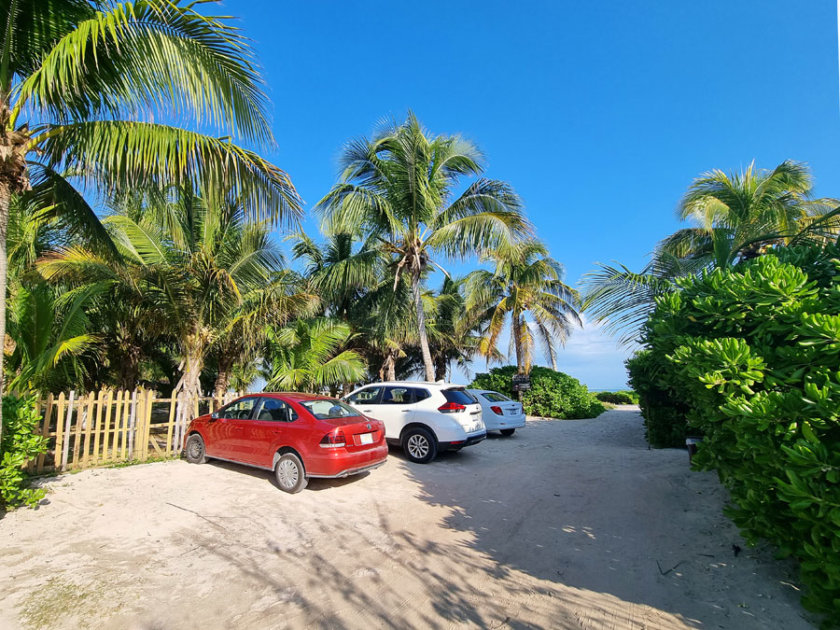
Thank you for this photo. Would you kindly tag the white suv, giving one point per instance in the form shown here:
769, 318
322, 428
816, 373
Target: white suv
423, 418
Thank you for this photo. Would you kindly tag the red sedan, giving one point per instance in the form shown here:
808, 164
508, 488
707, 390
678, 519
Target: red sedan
298, 436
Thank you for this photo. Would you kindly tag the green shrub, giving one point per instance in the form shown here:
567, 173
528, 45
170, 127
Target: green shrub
552, 394
624, 397
20, 444
752, 354
663, 409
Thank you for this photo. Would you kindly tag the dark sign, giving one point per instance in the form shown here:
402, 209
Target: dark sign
521, 382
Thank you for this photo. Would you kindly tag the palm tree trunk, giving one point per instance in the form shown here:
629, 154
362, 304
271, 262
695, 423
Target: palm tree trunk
13, 178
220, 387
5, 198
129, 371
517, 343
440, 368
190, 391
421, 325
388, 370
391, 373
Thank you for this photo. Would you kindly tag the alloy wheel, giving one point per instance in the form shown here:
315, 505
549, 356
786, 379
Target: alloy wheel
418, 446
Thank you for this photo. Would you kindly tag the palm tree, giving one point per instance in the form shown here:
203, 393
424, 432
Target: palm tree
80, 82
237, 345
737, 216
399, 188
309, 355
342, 271
525, 281
453, 336
192, 262
353, 276
50, 333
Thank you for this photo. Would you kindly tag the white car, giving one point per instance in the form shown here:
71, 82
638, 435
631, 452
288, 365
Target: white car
499, 412
423, 418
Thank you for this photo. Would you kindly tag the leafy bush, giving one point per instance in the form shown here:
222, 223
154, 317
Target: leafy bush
663, 409
552, 394
753, 353
20, 444
624, 397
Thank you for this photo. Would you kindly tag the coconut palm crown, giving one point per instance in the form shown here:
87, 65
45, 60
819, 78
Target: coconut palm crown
399, 188
525, 281
736, 216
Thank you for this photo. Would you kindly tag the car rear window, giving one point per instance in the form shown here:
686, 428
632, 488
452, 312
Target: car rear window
460, 396
495, 397
325, 408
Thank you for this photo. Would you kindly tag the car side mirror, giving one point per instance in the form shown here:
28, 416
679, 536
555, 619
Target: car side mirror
215, 415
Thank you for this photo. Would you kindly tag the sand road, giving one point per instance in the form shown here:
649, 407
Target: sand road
568, 524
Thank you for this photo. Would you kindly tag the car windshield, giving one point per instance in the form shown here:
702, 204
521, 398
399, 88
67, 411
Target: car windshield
324, 408
459, 396
495, 397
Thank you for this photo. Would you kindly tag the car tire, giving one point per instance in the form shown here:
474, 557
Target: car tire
507, 432
419, 445
194, 451
289, 472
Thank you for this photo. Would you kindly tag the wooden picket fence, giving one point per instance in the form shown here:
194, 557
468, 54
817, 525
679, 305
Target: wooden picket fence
108, 427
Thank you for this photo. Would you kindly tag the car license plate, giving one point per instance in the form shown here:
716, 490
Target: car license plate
513, 412
366, 438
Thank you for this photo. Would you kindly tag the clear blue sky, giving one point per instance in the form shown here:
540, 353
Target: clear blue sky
599, 113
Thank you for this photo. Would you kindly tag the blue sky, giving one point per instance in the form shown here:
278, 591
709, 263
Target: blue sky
599, 113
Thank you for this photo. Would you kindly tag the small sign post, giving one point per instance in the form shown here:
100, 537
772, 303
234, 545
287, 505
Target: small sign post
521, 382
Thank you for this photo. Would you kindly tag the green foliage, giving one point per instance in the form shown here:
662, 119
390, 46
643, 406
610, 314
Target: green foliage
400, 189
310, 355
623, 397
525, 284
19, 445
748, 357
552, 394
735, 217
662, 408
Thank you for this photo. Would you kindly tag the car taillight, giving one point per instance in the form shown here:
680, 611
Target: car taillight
497, 410
333, 440
451, 407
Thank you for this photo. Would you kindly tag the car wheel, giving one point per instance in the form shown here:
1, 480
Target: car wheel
290, 474
194, 451
507, 432
419, 445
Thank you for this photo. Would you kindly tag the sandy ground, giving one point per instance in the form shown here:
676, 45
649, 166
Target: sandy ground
569, 524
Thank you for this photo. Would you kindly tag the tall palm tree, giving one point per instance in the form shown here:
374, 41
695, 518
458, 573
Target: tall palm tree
80, 82
399, 188
310, 355
526, 281
736, 216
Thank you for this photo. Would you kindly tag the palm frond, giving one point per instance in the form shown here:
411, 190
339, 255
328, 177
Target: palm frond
118, 156
150, 54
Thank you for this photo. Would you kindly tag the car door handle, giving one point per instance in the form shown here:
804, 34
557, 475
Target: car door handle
367, 410
405, 410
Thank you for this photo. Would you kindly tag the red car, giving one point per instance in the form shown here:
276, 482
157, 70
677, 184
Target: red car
296, 435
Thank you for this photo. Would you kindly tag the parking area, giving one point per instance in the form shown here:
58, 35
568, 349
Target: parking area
567, 524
